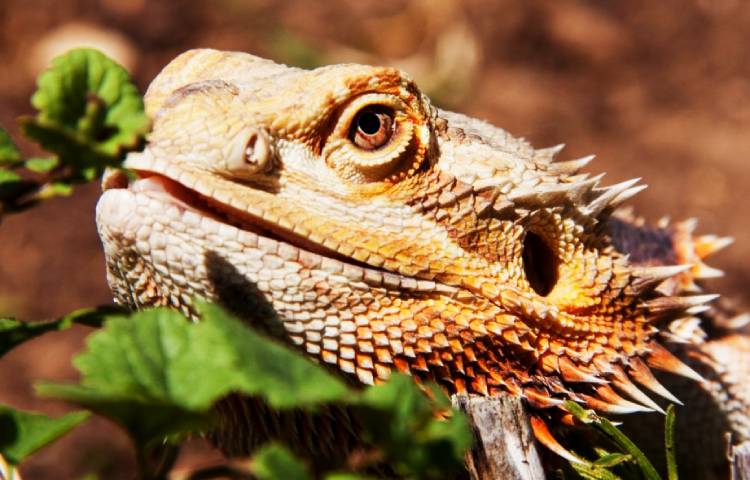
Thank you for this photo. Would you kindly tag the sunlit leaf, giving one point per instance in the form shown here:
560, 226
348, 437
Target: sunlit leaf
9, 154
54, 189
23, 433
89, 112
41, 164
274, 462
262, 366
399, 418
157, 374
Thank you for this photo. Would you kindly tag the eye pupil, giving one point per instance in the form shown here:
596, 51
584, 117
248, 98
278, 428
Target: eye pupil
372, 128
369, 123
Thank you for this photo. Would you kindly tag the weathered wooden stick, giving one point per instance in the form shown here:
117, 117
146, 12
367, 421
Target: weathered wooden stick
741, 461
504, 445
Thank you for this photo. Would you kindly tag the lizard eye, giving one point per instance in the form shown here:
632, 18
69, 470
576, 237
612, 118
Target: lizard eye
372, 127
376, 137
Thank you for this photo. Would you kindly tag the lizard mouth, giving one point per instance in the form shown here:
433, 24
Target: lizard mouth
173, 192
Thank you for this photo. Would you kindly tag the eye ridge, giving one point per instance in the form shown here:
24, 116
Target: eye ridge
372, 127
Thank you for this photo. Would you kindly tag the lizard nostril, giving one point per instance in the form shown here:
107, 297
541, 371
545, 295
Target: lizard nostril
249, 153
539, 264
257, 152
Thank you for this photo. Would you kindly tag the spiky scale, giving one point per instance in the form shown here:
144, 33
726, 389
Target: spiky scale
649, 276
608, 401
707, 245
545, 437
662, 359
571, 373
663, 305
622, 382
641, 373
607, 195
541, 399
570, 167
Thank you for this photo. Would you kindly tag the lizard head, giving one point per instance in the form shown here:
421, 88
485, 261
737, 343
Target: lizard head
341, 210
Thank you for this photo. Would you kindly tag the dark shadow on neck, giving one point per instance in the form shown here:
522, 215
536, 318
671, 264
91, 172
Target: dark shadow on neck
241, 296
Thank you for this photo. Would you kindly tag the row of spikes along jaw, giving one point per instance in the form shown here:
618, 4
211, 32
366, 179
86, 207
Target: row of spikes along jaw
583, 318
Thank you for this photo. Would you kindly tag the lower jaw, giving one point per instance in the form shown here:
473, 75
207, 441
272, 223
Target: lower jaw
169, 191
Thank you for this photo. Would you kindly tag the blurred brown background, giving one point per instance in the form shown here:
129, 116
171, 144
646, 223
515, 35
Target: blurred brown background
659, 90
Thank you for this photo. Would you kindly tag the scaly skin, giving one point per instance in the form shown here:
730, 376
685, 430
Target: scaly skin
454, 251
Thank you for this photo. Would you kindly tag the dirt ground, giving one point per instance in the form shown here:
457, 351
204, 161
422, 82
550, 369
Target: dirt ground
659, 90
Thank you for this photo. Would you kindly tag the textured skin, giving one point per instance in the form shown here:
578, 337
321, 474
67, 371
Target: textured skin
455, 252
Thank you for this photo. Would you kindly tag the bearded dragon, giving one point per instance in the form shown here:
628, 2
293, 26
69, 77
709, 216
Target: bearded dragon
339, 210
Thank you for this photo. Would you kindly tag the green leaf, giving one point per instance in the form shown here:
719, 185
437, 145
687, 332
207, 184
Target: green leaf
611, 459
585, 416
345, 476
591, 472
669, 443
627, 446
8, 177
399, 418
23, 433
9, 154
285, 378
274, 462
146, 420
157, 374
41, 164
54, 189
85, 160
14, 332
89, 112
126, 376
616, 436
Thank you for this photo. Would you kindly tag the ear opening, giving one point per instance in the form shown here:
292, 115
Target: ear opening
539, 264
